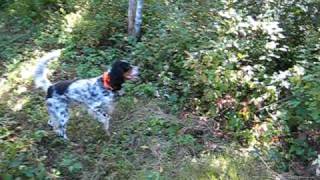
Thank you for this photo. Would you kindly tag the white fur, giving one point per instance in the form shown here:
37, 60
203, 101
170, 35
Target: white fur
98, 100
40, 75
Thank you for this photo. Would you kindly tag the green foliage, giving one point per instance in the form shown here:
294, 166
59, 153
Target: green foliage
302, 110
250, 67
99, 24
71, 163
29, 8
143, 89
223, 166
301, 114
16, 156
250, 54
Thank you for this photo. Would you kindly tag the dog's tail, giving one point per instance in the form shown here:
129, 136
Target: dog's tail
40, 75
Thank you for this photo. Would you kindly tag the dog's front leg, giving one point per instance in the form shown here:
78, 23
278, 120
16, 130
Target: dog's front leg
102, 117
106, 122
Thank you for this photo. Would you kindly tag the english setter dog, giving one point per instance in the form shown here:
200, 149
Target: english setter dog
97, 94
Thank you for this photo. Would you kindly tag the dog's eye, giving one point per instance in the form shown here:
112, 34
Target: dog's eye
127, 68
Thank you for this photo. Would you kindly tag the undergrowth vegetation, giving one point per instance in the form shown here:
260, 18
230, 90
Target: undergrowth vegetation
228, 89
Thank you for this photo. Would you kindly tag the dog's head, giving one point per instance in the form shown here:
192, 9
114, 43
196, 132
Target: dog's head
121, 71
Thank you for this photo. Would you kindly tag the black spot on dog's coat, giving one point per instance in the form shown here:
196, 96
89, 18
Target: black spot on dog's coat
93, 94
63, 114
59, 88
49, 104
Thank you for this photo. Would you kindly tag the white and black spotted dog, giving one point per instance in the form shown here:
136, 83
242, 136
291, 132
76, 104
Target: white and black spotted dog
97, 94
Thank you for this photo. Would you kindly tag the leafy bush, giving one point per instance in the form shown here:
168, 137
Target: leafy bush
239, 62
250, 68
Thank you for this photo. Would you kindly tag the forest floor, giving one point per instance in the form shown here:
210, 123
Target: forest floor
147, 140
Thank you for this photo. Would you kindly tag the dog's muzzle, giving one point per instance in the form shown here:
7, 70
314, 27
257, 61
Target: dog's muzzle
134, 74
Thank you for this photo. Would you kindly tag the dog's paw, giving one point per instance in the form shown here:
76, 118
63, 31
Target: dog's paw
50, 124
108, 133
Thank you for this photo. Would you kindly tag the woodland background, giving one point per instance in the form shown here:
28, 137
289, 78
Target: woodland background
229, 89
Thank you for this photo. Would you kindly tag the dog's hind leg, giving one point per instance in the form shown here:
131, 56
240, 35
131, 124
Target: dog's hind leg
59, 116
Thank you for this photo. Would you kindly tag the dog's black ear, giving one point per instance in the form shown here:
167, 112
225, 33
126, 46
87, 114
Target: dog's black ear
116, 75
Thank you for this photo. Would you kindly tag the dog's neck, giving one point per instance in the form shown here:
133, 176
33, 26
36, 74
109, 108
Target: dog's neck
111, 82
106, 81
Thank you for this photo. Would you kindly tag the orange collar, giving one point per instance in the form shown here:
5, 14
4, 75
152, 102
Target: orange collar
106, 81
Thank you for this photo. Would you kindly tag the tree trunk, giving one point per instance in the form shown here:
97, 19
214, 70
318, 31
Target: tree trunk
135, 18
131, 17
138, 19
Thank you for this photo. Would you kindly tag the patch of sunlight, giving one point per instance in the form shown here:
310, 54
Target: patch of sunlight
22, 74
1, 25
19, 78
17, 104
225, 166
21, 89
220, 164
71, 20
216, 167
2, 81
4, 86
